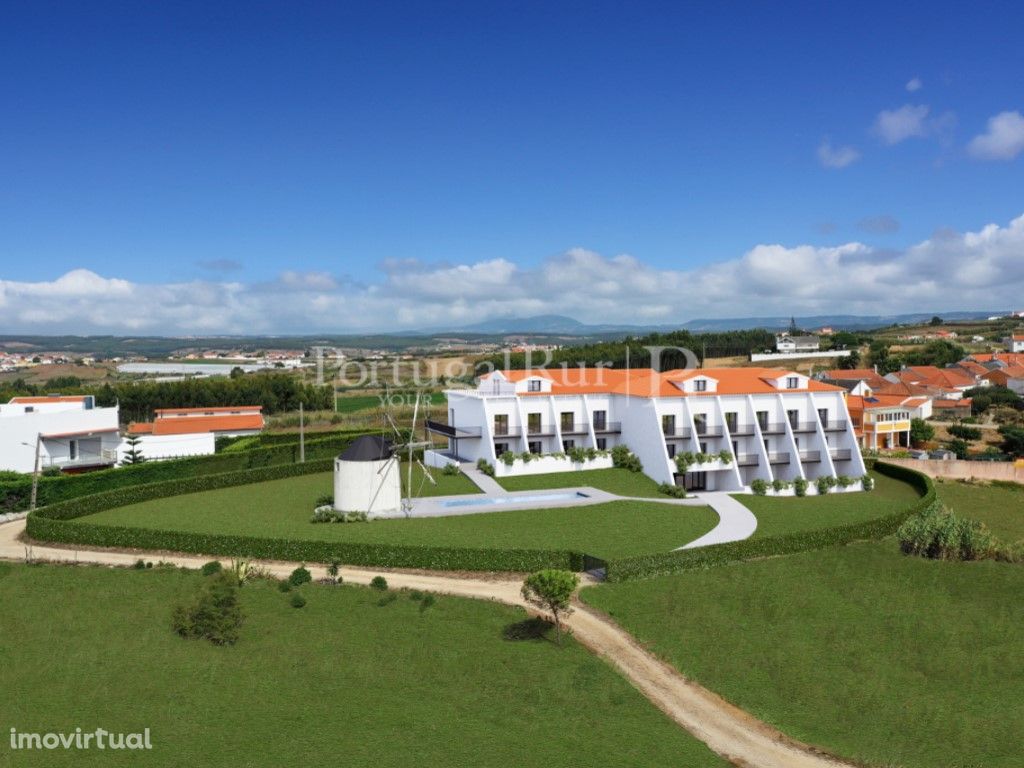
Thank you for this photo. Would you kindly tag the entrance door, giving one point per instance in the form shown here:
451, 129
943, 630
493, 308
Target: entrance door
696, 481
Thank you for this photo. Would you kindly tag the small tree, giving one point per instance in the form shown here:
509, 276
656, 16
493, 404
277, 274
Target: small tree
921, 431
134, 453
551, 590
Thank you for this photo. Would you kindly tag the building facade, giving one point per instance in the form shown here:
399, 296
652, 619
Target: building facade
771, 423
178, 432
69, 432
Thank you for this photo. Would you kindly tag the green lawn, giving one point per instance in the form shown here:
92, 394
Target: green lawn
879, 657
777, 516
282, 508
621, 482
1000, 507
343, 681
355, 403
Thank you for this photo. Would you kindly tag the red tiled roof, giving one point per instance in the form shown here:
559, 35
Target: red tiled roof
213, 410
49, 399
199, 424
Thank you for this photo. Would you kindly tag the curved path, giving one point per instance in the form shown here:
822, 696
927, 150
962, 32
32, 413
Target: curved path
735, 521
728, 730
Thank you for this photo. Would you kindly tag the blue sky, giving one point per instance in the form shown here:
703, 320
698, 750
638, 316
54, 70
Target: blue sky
356, 156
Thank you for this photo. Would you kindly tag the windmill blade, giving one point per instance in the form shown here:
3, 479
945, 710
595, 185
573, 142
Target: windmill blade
426, 473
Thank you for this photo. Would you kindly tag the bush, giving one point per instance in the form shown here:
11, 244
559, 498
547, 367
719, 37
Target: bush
325, 500
800, 486
624, 458
485, 466
379, 583
759, 486
778, 484
577, 454
867, 482
964, 433
450, 470
300, 576
427, 602
675, 491
297, 601
824, 483
938, 534
213, 614
844, 481
140, 565
284, 586
684, 460
725, 456
211, 568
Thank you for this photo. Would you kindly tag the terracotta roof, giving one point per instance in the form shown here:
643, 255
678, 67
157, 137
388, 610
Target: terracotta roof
213, 410
964, 402
882, 402
49, 399
199, 425
930, 375
645, 382
140, 428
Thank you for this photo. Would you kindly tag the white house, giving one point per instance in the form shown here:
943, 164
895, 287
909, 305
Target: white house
72, 433
178, 432
1014, 342
774, 423
786, 343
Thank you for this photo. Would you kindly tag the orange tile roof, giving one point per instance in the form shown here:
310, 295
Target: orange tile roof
49, 399
964, 402
645, 382
199, 424
217, 410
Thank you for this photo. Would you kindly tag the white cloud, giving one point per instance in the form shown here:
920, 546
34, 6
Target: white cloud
836, 157
914, 84
976, 270
895, 125
1003, 140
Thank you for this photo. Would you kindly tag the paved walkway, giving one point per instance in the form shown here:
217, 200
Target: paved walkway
735, 521
729, 731
485, 483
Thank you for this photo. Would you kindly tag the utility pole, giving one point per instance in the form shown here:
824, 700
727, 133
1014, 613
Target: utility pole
35, 473
302, 435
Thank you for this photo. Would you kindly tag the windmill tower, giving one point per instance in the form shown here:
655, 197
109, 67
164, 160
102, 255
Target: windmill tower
367, 474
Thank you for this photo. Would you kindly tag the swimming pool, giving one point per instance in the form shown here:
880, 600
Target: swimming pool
535, 498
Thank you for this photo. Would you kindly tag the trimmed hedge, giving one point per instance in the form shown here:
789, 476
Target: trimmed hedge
55, 523
646, 566
15, 495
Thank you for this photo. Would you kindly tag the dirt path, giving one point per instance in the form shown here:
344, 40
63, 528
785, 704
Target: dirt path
727, 730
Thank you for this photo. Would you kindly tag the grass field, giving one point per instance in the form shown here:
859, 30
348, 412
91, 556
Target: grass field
621, 482
1000, 507
281, 509
356, 403
777, 516
343, 681
880, 657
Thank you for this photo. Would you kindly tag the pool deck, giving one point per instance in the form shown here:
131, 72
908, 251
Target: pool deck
434, 506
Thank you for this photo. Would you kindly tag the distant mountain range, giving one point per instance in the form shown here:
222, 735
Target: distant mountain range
562, 325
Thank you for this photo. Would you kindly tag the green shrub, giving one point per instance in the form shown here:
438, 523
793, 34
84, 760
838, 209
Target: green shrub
938, 534
485, 466
387, 599
964, 433
800, 486
625, 459
213, 613
379, 583
427, 602
684, 460
297, 600
778, 484
450, 470
300, 576
415, 595
508, 458
844, 481
759, 486
140, 565
675, 491
725, 456
577, 454
823, 485
867, 482
211, 568
324, 500
284, 586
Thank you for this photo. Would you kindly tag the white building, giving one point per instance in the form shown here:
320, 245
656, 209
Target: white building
788, 344
774, 423
1014, 342
72, 433
178, 432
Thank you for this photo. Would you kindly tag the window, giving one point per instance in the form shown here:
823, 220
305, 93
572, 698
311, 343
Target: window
700, 385
500, 448
533, 385
533, 423
700, 420
501, 424
732, 420
668, 424
568, 419
568, 445
602, 443
535, 446
600, 419
73, 449
671, 450
762, 419
823, 415
703, 447
30, 409
794, 418
792, 382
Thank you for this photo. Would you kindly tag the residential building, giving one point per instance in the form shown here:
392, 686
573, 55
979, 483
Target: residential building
774, 423
786, 343
1015, 342
856, 381
178, 432
882, 422
72, 433
1011, 377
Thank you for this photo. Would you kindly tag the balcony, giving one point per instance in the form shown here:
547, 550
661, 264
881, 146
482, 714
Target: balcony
574, 428
841, 454
804, 426
741, 430
778, 458
706, 431
507, 432
836, 426
606, 427
810, 457
540, 430
453, 433
677, 434
773, 429
748, 460
103, 458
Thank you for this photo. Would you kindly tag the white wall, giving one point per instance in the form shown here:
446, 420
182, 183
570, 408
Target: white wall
544, 465
156, 447
761, 356
18, 434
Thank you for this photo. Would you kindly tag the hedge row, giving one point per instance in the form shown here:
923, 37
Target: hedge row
645, 566
15, 495
55, 523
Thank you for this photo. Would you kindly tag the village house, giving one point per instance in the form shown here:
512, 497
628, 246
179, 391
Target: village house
67, 432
